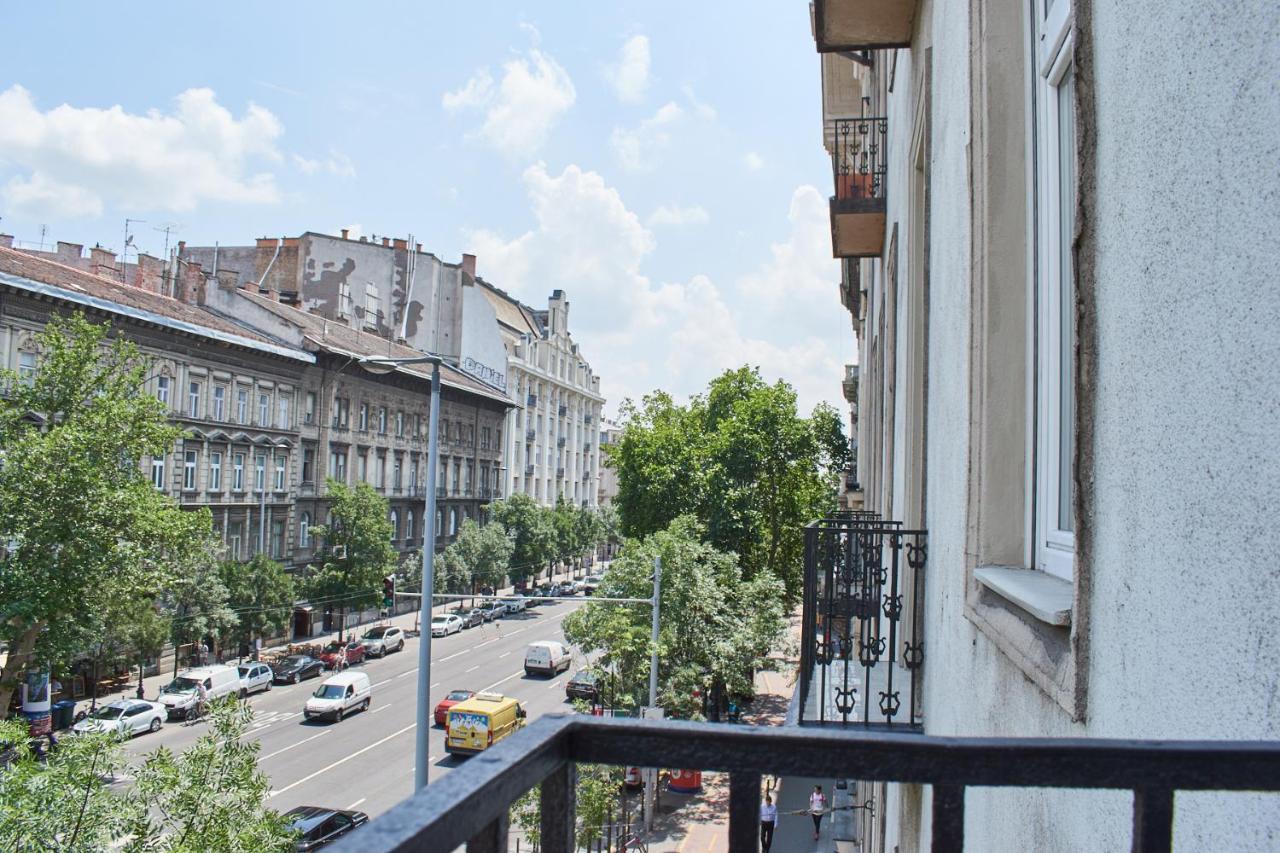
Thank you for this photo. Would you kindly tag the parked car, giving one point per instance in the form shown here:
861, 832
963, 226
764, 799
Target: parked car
579, 587
454, 697
591, 583
383, 639
471, 617
180, 693
127, 717
493, 610
254, 676
295, 668
445, 624
355, 653
346, 691
547, 657
584, 685
320, 826
515, 604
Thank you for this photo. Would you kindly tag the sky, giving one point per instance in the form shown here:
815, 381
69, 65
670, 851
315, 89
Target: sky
660, 162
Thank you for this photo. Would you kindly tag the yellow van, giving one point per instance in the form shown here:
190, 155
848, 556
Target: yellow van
478, 723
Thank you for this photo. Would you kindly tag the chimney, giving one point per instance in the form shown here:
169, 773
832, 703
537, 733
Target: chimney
419, 246
469, 265
102, 261
148, 275
69, 253
182, 247
266, 242
364, 239
345, 231
386, 241
400, 244
6, 241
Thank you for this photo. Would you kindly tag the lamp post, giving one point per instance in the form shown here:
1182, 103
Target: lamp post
378, 365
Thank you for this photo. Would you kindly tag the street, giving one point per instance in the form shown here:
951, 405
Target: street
365, 762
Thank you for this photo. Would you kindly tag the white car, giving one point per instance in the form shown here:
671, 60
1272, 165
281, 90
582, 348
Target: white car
383, 639
346, 691
443, 626
515, 604
254, 677
126, 717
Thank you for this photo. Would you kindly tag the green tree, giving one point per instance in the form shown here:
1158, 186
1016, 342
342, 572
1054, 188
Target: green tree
564, 523
479, 556
531, 533
196, 598
588, 529
356, 551
262, 595
81, 528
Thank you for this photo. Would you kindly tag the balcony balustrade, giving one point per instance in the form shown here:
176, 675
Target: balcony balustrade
845, 26
560, 441
472, 807
559, 473
858, 164
528, 470
530, 434
562, 410
862, 650
532, 400
586, 419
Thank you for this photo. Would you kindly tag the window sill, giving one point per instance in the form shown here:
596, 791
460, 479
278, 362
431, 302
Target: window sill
1044, 596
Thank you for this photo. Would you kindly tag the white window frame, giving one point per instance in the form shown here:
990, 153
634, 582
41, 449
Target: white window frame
162, 388
193, 399
408, 525
344, 299
281, 464
242, 406
219, 402
237, 472
190, 459
372, 305
259, 472
1053, 545
283, 407
264, 410
157, 472
304, 530
395, 525
364, 417
215, 471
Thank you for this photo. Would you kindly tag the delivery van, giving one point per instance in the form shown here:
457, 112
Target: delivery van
547, 657
180, 694
478, 723
338, 695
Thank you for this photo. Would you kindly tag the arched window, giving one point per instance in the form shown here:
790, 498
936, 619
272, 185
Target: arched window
395, 525
408, 524
304, 530
453, 521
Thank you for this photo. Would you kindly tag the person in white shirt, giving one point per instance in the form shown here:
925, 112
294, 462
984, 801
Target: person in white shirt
817, 808
768, 820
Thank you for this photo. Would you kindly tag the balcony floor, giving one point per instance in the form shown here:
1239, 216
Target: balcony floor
820, 705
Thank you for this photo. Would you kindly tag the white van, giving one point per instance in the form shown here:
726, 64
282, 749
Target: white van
181, 693
547, 657
338, 694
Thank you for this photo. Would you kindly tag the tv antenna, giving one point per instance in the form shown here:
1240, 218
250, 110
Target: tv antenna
128, 241
168, 228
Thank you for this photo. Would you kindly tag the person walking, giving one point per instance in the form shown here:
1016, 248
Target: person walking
768, 820
817, 808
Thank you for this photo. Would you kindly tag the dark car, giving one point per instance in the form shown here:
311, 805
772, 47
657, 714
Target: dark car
584, 685
355, 653
320, 826
295, 668
470, 616
493, 610
532, 596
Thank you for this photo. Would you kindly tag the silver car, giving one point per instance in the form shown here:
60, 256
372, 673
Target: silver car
254, 677
515, 604
126, 717
383, 639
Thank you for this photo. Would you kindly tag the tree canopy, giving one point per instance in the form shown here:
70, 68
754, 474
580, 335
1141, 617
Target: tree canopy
261, 594
356, 551
532, 534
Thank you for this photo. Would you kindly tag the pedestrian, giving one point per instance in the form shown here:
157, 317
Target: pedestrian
817, 808
768, 820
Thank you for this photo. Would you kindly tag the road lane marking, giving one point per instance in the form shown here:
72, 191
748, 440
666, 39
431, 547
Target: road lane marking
503, 655
508, 678
513, 633
342, 760
553, 685
454, 655
485, 643
356, 803
407, 673
381, 708
437, 684
299, 743
473, 669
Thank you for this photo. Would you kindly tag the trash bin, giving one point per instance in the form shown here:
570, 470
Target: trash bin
64, 712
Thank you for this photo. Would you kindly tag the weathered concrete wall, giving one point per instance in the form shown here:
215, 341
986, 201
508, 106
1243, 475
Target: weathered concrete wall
483, 354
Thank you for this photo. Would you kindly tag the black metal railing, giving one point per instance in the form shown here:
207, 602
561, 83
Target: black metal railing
472, 808
862, 649
859, 159
530, 434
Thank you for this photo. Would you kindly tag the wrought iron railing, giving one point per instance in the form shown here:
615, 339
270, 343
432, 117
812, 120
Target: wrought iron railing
862, 649
472, 808
858, 161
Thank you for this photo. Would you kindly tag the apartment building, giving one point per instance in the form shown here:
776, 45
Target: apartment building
552, 443
1058, 227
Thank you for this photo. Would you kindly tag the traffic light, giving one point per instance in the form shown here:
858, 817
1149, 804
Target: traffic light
389, 591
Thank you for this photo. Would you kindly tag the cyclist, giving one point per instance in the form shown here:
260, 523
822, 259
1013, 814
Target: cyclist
202, 700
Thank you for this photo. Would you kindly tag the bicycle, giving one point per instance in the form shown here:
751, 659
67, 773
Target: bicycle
195, 713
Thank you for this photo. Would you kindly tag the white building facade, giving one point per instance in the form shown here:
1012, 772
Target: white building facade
1062, 231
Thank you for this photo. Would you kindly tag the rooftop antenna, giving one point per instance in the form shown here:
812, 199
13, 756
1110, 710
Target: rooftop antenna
128, 241
168, 228
44, 229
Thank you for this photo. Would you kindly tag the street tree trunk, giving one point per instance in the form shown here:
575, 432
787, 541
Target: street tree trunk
16, 665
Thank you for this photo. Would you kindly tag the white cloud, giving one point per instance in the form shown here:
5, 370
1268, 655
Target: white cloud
674, 215
640, 335
629, 76
701, 109
72, 161
521, 110
637, 148
753, 161
336, 163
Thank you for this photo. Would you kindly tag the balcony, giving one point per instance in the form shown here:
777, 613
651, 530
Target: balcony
532, 400
586, 419
530, 434
858, 208
862, 649
843, 26
560, 441
562, 410
528, 470
472, 808
559, 473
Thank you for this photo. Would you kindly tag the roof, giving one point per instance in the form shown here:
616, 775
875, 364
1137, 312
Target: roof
342, 340
511, 313
68, 284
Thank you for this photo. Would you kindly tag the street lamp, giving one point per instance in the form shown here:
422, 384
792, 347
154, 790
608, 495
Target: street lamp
377, 365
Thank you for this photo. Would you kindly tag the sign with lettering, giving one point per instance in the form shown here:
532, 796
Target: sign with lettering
485, 373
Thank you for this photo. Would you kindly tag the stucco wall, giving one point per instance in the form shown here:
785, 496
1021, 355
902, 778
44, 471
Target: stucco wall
1185, 474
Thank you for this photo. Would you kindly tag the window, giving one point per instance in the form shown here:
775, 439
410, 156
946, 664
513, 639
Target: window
242, 405
281, 462
413, 472
453, 521
162, 383
408, 524
382, 470
237, 472
189, 459
338, 465
417, 426
1055, 197
282, 411
382, 420
193, 400
395, 525
362, 466
215, 472
364, 417
157, 472
235, 535
277, 539
371, 309
340, 405
219, 402
260, 472
395, 476
264, 410
304, 530
344, 299
309, 413
308, 465
399, 424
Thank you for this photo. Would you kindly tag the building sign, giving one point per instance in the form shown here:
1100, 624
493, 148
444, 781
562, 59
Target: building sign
485, 373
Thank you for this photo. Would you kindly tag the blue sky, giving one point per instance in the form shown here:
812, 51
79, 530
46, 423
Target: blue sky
660, 162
